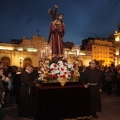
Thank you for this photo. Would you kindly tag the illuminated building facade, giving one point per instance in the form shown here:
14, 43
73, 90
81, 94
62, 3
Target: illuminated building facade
11, 54
102, 50
117, 47
31, 51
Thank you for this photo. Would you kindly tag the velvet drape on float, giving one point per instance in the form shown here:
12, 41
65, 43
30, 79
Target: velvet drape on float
55, 102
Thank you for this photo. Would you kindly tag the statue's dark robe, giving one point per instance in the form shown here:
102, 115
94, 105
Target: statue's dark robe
57, 39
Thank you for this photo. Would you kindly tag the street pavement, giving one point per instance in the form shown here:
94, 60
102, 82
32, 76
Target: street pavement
110, 109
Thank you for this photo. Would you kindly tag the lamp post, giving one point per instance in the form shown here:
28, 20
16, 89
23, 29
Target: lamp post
76, 50
41, 53
47, 50
20, 59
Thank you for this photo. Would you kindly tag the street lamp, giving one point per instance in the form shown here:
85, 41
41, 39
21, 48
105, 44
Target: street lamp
76, 50
47, 50
20, 59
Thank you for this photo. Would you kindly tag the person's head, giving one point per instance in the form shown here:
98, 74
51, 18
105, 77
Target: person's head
29, 68
5, 68
108, 69
1, 65
92, 64
9, 74
102, 68
119, 71
1, 71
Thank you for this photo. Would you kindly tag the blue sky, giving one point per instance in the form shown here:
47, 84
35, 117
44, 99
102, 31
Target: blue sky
82, 18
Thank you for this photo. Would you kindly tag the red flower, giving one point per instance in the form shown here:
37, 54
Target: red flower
69, 75
55, 65
64, 72
62, 69
51, 69
54, 76
68, 69
64, 64
42, 72
63, 76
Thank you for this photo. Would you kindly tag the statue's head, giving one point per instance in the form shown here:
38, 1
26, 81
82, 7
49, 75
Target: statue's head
60, 17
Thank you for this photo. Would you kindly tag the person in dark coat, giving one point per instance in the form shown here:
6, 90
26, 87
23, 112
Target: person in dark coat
109, 80
2, 88
25, 95
16, 84
118, 82
2, 93
33, 77
92, 80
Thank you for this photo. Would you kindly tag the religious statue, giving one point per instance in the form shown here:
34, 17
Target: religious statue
57, 30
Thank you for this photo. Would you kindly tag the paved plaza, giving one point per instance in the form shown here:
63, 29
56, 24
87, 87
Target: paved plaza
110, 109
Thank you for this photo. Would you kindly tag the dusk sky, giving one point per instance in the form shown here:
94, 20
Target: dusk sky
82, 18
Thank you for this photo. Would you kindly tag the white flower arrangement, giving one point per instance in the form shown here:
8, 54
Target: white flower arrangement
61, 70
57, 71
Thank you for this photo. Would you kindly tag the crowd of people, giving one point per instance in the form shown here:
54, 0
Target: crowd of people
21, 84
99, 79
110, 78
